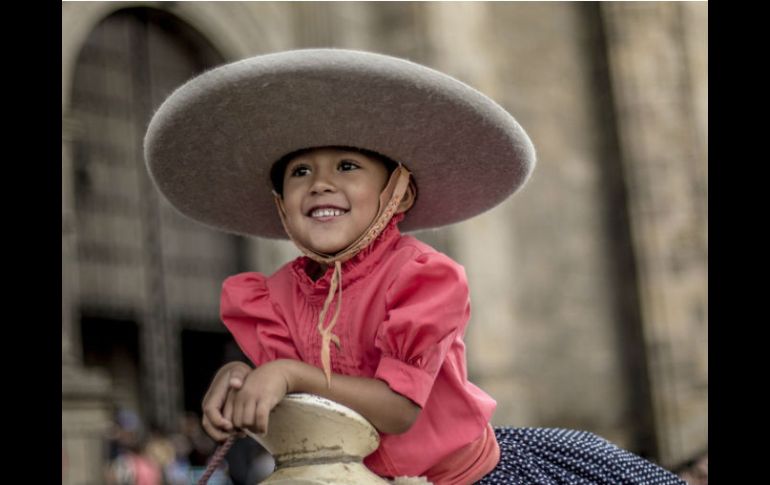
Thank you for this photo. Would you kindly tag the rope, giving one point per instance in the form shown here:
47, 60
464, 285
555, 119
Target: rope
216, 460
326, 333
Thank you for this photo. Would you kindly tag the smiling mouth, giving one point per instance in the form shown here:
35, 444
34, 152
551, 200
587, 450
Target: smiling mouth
326, 212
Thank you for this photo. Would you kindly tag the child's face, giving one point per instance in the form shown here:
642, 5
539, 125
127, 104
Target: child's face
331, 196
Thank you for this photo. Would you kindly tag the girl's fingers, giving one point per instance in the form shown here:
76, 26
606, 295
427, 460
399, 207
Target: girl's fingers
215, 394
262, 415
228, 411
214, 400
212, 412
237, 376
249, 408
237, 413
211, 430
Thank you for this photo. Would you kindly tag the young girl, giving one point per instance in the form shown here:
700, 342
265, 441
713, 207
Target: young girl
339, 150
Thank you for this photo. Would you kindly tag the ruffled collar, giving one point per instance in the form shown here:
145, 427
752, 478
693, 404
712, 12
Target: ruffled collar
352, 269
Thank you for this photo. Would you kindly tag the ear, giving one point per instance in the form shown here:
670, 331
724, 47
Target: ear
407, 201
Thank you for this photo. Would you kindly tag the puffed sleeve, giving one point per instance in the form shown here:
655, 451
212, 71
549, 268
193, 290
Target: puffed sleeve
248, 312
427, 306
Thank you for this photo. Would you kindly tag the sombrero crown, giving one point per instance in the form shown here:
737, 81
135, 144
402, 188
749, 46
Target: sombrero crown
211, 144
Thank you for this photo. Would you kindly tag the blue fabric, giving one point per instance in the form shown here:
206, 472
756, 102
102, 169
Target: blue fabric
551, 456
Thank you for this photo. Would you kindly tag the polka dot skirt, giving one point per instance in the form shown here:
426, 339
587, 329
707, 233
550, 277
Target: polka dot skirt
551, 456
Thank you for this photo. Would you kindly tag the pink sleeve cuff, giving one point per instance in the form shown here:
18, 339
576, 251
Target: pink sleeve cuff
409, 381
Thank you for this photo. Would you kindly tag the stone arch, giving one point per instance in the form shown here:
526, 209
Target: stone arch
233, 29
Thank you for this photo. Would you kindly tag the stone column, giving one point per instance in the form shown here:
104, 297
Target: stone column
657, 53
85, 392
86, 417
159, 332
70, 331
457, 44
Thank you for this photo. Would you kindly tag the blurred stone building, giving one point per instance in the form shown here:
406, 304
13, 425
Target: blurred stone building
589, 287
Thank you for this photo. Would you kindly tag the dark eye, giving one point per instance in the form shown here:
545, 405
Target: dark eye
299, 171
346, 165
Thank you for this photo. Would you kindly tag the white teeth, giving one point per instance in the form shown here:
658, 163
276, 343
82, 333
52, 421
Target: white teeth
326, 212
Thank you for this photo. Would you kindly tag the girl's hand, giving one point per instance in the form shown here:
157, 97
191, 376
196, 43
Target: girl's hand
218, 402
262, 389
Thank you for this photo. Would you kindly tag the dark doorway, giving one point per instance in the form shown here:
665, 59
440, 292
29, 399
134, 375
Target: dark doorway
113, 345
203, 353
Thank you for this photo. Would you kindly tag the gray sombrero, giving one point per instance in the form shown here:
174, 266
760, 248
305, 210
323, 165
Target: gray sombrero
210, 146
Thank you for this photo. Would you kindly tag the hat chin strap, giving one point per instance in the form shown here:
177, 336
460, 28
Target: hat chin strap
390, 198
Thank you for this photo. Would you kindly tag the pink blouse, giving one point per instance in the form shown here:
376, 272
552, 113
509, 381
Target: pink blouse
404, 311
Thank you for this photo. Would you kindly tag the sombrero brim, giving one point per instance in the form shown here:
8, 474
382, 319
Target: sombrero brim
210, 146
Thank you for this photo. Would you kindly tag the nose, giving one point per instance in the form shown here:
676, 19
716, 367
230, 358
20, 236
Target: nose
322, 182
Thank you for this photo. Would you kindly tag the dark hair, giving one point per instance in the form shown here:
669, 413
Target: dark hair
279, 167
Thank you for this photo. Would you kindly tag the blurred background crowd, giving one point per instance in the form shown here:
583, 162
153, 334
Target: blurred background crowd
138, 454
